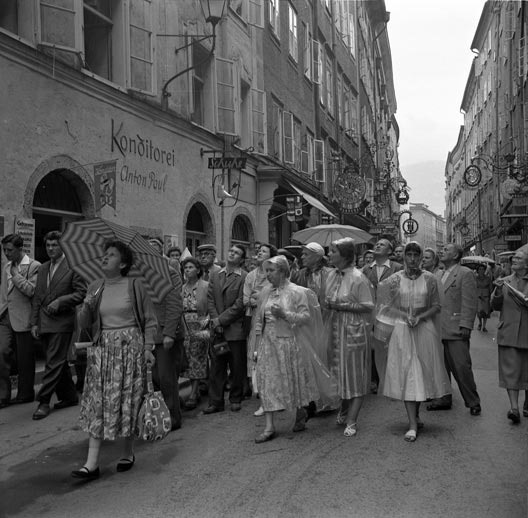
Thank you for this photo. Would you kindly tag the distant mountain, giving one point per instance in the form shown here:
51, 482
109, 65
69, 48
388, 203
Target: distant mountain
427, 183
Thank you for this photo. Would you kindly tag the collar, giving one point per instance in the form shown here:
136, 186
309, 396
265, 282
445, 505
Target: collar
386, 263
24, 261
236, 271
450, 269
58, 261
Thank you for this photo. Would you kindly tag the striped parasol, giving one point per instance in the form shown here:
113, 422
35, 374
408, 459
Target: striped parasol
83, 245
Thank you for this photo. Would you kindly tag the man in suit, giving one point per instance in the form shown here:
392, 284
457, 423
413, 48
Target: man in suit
459, 307
16, 291
379, 270
207, 255
169, 342
226, 309
58, 291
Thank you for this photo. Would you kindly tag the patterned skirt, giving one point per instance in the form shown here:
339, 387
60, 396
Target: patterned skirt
196, 348
114, 384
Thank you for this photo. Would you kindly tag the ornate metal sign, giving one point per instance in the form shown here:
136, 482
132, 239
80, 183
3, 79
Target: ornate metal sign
472, 175
410, 226
349, 189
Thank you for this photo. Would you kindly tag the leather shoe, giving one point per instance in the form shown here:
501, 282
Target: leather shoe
22, 400
475, 410
235, 407
65, 404
125, 464
4, 403
85, 474
41, 412
211, 409
436, 406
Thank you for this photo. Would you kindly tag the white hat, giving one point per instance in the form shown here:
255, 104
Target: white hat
315, 248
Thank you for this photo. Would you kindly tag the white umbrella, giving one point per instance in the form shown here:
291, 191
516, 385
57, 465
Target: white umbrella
326, 234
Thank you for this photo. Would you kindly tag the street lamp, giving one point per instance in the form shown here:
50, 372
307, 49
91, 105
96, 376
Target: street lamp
213, 12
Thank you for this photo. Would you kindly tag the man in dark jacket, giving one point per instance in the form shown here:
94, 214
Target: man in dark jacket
58, 290
226, 309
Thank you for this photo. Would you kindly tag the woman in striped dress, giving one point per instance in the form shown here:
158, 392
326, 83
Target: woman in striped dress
349, 301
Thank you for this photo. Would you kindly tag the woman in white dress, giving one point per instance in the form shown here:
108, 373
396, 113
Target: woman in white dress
409, 299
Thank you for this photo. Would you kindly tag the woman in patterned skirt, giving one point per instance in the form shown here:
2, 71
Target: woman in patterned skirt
122, 320
283, 326
195, 312
349, 301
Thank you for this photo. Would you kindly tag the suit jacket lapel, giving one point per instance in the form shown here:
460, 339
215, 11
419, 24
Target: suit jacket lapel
451, 277
229, 279
60, 272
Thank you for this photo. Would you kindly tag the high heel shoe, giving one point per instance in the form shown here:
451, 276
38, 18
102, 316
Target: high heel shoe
266, 435
350, 430
125, 464
514, 416
410, 436
85, 474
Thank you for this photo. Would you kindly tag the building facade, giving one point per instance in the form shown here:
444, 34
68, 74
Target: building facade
486, 179
132, 111
431, 231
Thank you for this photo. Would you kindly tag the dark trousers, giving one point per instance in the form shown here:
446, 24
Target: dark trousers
166, 377
458, 362
16, 347
237, 362
57, 373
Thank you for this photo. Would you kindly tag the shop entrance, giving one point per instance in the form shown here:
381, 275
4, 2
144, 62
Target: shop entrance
55, 203
198, 228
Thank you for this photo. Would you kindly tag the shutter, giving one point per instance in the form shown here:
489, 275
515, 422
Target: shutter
141, 46
256, 13
304, 162
59, 24
287, 121
317, 62
225, 96
319, 161
258, 112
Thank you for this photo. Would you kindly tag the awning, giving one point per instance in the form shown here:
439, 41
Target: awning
314, 202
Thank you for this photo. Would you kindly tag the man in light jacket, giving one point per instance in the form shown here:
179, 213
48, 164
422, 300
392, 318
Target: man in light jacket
459, 308
19, 277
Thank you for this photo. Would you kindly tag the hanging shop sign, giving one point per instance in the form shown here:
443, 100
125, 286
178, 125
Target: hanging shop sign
227, 162
410, 226
294, 210
105, 184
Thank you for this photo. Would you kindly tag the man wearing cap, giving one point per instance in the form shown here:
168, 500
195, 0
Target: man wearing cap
380, 269
314, 271
207, 256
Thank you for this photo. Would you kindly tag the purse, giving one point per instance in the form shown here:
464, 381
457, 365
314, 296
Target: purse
154, 420
219, 345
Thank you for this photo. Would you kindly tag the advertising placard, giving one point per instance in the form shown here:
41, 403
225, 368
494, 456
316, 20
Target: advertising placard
26, 228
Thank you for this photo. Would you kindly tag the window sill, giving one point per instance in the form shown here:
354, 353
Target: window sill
15, 36
104, 81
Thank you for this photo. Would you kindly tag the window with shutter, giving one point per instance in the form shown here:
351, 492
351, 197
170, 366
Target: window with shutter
225, 96
296, 144
274, 17
141, 46
310, 147
258, 110
287, 121
276, 125
18, 18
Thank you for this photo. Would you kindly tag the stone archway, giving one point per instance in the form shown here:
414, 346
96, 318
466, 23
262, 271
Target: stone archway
199, 226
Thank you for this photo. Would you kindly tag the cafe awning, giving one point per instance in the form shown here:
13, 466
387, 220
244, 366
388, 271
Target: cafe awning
314, 202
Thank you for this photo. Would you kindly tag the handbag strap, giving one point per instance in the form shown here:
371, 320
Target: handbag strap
185, 324
150, 383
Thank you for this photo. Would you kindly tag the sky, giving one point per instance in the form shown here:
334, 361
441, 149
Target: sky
431, 58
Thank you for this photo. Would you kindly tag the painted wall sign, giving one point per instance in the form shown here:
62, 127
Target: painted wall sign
141, 146
149, 180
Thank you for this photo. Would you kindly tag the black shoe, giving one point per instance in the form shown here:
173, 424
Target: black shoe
85, 474
211, 409
4, 403
125, 464
514, 416
235, 407
475, 410
41, 412
438, 406
65, 404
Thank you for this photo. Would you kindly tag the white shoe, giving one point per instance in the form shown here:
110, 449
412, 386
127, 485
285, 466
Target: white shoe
259, 412
350, 430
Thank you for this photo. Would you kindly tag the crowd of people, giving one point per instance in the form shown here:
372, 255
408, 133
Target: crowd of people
311, 337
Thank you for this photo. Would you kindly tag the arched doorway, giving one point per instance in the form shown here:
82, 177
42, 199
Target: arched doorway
56, 201
198, 228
